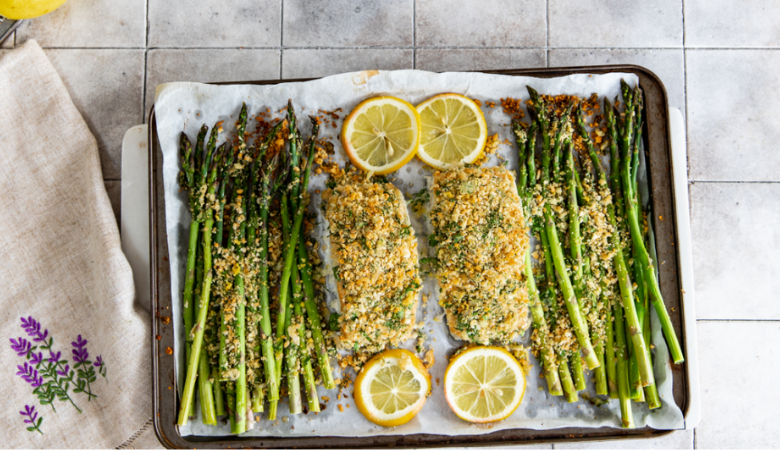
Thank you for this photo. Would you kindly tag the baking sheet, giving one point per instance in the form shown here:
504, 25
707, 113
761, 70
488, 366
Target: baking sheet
185, 106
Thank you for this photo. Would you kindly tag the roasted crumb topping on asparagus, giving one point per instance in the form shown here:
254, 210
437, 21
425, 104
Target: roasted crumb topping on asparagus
480, 239
374, 252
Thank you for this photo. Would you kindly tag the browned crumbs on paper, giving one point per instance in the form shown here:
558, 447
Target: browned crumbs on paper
513, 107
429, 359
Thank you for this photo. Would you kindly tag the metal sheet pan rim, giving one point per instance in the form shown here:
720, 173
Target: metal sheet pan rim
164, 418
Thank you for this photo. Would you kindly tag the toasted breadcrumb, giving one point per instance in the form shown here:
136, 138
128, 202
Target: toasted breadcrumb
480, 238
374, 253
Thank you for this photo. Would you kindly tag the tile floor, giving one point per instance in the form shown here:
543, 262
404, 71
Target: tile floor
712, 55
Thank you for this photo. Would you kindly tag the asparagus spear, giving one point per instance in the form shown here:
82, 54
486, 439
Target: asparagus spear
205, 388
292, 325
622, 369
209, 169
189, 180
642, 255
624, 281
526, 147
570, 299
259, 339
312, 311
239, 224
264, 195
550, 298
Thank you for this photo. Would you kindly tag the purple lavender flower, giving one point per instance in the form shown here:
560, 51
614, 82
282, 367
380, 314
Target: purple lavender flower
32, 418
29, 411
64, 371
54, 358
80, 353
33, 329
36, 358
101, 366
22, 347
30, 375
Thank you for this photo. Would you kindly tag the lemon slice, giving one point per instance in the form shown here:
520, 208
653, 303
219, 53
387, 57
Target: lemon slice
454, 131
27, 9
391, 388
381, 134
484, 384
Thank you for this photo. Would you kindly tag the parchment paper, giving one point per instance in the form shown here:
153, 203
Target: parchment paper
185, 106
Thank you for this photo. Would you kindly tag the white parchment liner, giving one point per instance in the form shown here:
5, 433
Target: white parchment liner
185, 106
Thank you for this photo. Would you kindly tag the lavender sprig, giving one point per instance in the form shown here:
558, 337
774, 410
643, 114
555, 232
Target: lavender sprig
53, 369
33, 329
101, 366
32, 418
22, 347
42, 390
84, 368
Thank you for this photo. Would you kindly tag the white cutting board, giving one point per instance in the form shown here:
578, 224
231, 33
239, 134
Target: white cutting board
135, 234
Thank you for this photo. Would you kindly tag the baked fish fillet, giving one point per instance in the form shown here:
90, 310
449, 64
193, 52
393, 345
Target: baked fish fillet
480, 239
373, 251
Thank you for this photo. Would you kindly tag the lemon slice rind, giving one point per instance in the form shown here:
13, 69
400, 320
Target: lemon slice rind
437, 115
392, 388
394, 147
462, 384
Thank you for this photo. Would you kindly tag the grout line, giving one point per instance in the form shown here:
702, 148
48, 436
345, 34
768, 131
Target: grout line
740, 320
685, 96
695, 442
682, 5
281, 39
547, 34
732, 182
146, 66
407, 47
414, 34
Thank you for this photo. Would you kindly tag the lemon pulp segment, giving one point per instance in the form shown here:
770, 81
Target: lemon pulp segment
381, 135
394, 390
484, 387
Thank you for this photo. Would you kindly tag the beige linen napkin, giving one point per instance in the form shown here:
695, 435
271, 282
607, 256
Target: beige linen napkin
69, 324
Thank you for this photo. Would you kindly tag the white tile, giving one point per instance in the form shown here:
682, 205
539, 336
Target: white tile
226, 23
486, 23
305, 63
739, 365
442, 60
106, 87
667, 64
610, 23
732, 125
735, 243
89, 23
726, 23
165, 66
674, 440
347, 23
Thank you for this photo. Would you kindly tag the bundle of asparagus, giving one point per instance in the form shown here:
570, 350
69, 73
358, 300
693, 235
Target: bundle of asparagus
231, 349
588, 308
